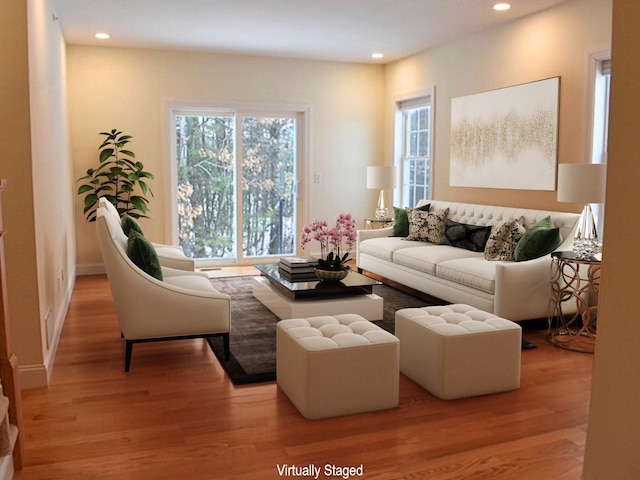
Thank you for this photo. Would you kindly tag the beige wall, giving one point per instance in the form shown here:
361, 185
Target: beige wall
18, 201
37, 201
555, 42
130, 89
52, 182
612, 441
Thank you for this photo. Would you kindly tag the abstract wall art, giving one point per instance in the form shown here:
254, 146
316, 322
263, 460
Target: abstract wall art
506, 138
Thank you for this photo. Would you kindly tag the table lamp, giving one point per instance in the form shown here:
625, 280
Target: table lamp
382, 178
583, 183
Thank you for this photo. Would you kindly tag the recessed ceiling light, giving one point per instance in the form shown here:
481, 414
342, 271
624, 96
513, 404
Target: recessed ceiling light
377, 55
102, 36
501, 7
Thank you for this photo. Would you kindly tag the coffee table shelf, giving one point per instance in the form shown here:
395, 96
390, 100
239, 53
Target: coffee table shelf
285, 299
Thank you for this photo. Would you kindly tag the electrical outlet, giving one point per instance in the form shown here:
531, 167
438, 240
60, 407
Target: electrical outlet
317, 178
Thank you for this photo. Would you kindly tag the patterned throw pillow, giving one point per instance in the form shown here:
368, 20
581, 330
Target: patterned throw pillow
462, 235
503, 240
426, 226
401, 220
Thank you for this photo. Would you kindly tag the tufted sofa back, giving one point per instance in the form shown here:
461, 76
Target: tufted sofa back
475, 214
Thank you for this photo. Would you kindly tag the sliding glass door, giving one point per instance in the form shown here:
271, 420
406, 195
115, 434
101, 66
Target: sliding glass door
236, 178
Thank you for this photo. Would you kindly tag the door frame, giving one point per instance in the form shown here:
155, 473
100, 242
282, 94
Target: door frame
303, 115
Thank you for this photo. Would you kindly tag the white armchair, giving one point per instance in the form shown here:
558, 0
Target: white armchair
183, 305
171, 256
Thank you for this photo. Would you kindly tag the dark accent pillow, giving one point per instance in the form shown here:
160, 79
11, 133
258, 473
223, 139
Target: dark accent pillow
542, 238
129, 223
503, 240
463, 235
143, 254
401, 220
426, 226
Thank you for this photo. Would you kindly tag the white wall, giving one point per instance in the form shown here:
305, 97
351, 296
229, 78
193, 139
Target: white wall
52, 184
129, 89
555, 42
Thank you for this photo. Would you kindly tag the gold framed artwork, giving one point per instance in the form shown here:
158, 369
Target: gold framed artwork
506, 138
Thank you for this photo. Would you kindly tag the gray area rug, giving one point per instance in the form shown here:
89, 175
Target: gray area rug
253, 329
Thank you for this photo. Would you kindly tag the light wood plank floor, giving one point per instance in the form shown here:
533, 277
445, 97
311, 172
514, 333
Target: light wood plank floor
177, 415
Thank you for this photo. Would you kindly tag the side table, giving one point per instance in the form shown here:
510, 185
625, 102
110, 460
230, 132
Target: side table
375, 223
574, 281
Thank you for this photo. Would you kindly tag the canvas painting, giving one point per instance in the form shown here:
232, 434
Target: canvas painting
506, 138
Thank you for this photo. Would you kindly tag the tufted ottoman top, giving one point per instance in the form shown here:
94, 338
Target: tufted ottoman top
334, 332
457, 319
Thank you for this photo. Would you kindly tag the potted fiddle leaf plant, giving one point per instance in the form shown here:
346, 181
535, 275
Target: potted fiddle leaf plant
119, 178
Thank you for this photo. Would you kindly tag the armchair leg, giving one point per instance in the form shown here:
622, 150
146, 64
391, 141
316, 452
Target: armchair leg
127, 355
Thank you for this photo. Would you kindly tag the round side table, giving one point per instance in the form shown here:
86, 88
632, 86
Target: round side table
574, 281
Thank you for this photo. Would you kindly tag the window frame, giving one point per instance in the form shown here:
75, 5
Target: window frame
599, 102
424, 98
302, 114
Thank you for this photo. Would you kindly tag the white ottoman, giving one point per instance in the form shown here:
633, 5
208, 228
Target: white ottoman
457, 351
337, 365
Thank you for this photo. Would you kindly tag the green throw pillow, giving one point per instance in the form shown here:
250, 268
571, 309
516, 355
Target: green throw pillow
129, 223
143, 254
542, 238
462, 235
401, 220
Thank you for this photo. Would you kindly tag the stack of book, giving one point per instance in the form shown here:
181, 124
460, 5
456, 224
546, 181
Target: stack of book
298, 269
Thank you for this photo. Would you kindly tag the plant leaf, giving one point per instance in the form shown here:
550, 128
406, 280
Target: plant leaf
84, 189
105, 154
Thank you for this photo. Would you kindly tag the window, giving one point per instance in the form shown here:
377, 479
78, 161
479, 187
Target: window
414, 137
235, 182
600, 128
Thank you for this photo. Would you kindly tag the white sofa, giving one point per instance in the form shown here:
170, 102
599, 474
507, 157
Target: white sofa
508, 289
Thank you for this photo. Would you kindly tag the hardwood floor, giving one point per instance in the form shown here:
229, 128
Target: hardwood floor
177, 415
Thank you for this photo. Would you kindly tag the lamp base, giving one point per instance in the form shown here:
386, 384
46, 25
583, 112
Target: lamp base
382, 213
585, 243
585, 249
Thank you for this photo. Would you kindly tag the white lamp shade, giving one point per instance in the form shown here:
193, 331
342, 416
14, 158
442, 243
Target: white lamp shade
582, 182
382, 177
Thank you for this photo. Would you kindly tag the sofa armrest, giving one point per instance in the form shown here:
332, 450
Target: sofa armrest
522, 289
367, 234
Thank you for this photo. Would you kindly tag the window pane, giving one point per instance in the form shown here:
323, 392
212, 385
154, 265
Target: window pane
268, 186
205, 178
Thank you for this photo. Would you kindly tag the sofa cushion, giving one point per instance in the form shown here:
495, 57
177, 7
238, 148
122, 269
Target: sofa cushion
473, 272
384, 247
401, 220
504, 239
143, 254
129, 223
426, 226
463, 235
542, 238
428, 256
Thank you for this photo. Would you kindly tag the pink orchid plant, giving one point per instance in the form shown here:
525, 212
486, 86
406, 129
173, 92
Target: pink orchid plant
335, 243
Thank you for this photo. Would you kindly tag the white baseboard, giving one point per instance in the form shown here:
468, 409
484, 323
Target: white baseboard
38, 375
91, 269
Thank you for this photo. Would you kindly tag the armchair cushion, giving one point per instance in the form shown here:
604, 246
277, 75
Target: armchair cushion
142, 253
129, 223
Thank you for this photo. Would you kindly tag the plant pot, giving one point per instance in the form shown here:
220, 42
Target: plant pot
331, 275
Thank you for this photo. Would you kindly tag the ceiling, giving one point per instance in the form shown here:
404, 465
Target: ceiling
337, 30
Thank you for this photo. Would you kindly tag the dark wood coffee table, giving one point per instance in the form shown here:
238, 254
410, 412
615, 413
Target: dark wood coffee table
354, 294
